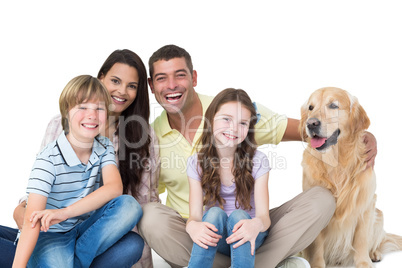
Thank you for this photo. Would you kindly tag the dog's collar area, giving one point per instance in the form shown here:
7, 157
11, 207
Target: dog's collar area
332, 140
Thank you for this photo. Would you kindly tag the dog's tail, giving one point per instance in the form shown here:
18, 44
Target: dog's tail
391, 242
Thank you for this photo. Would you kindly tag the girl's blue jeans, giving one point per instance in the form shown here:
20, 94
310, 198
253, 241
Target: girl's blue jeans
104, 240
240, 257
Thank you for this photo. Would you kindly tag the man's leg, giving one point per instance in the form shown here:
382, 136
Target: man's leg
164, 230
295, 225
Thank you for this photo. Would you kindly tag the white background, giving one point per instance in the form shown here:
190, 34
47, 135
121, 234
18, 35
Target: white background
278, 52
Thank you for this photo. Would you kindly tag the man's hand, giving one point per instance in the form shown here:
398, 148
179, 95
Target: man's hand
371, 148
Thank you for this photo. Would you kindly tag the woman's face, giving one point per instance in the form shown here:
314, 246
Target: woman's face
122, 83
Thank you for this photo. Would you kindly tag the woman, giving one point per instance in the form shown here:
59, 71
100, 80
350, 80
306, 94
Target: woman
124, 75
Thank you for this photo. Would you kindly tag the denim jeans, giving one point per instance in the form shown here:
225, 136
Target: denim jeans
92, 237
124, 253
240, 257
7, 247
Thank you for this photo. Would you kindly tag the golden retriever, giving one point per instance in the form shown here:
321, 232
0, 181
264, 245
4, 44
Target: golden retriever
333, 123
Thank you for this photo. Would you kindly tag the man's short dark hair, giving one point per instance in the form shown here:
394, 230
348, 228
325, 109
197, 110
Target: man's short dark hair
169, 52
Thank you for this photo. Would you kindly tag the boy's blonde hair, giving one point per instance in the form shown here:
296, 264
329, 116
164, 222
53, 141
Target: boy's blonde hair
79, 90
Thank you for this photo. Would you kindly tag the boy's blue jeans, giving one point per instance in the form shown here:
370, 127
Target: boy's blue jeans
240, 257
92, 237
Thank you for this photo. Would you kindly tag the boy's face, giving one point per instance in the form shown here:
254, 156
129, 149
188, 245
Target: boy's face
173, 84
87, 120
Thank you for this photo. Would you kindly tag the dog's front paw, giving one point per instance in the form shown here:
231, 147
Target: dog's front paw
365, 264
318, 263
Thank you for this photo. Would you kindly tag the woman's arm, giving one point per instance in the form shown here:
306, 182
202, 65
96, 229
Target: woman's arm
53, 130
202, 233
19, 213
29, 234
112, 188
155, 170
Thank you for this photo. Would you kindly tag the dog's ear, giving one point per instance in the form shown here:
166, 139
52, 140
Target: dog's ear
303, 119
358, 116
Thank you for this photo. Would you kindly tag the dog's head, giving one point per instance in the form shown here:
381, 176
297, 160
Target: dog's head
329, 115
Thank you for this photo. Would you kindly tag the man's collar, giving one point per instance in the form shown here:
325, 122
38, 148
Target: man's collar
165, 127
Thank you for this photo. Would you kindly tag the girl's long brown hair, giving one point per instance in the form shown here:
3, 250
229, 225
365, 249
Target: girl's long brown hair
243, 159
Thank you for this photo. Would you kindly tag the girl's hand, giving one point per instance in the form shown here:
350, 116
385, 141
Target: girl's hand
48, 217
245, 230
203, 234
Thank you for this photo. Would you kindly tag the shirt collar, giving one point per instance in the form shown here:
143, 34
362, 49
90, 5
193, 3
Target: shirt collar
165, 126
70, 157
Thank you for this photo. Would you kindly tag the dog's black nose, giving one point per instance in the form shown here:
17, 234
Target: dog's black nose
313, 123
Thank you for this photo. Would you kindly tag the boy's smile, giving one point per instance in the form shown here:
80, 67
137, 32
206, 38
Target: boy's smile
86, 121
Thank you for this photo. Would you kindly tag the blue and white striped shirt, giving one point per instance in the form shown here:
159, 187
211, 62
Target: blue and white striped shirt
59, 175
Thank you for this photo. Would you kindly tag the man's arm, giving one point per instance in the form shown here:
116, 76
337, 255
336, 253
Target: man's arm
292, 131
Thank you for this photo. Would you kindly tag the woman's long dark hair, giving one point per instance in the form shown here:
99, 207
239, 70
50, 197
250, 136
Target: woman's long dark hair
133, 128
243, 160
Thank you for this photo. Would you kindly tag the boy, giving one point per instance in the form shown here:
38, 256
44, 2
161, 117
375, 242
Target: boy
64, 187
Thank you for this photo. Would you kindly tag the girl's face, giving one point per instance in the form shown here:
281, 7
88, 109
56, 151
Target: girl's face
86, 121
122, 83
231, 124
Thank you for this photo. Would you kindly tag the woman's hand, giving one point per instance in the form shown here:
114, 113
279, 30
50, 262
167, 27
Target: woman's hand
19, 214
48, 217
244, 231
203, 233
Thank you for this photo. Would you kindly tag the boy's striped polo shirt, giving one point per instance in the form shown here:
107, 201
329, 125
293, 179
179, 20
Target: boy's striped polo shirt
59, 175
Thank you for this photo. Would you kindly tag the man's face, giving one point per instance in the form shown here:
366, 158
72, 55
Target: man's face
173, 85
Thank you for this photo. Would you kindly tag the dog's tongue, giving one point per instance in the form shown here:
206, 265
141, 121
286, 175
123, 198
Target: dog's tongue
317, 142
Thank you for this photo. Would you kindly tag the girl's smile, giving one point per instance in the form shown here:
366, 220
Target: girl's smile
231, 124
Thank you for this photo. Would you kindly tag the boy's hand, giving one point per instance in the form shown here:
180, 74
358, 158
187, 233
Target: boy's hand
48, 217
203, 234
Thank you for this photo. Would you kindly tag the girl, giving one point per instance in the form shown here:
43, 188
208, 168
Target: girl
230, 178
124, 75
75, 187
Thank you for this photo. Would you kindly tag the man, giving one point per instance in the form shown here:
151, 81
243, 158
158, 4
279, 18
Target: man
294, 225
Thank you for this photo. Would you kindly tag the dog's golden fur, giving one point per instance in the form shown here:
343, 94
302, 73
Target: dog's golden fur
355, 234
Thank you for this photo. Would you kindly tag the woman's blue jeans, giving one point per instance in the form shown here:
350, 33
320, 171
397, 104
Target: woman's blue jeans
240, 257
106, 231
